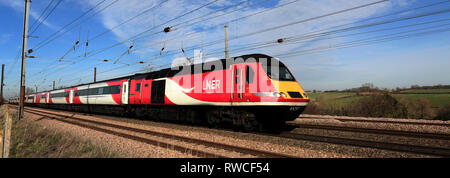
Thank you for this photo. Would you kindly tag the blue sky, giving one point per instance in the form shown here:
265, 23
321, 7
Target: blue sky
418, 59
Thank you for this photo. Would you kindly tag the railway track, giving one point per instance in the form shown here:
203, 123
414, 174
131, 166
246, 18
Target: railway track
434, 151
374, 131
94, 125
378, 121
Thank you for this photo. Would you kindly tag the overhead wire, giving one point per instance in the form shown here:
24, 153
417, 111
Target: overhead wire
364, 20
440, 2
305, 20
180, 16
43, 20
154, 27
128, 20
360, 43
56, 37
284, 25
362, 6
321, 33
353, 34
52, 37
70, 23
261, 31
42, 13
206, 19
243, 8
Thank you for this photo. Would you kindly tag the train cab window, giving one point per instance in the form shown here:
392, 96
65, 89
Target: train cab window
249, 75
283, 73
138, 87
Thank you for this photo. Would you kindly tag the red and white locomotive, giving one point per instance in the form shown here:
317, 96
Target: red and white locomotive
243, 92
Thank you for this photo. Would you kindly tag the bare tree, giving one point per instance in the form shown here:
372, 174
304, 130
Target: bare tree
29, 90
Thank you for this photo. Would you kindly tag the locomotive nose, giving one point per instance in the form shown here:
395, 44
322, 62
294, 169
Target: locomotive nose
290, 89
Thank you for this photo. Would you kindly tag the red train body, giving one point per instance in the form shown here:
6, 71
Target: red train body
242, 92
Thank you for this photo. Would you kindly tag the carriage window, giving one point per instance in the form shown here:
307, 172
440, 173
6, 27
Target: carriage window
100, 91
115, 89
82, 92
138, 87
237, 76
93, 91
106, 90
249, 75
56, 95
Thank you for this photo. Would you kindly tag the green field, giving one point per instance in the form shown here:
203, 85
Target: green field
330, 95
426, 91
436, 100
334, 98
340, 98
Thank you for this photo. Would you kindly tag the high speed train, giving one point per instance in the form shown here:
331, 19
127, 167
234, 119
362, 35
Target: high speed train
242, 92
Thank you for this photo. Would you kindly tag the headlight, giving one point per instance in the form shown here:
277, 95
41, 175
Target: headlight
283, 95
276, 94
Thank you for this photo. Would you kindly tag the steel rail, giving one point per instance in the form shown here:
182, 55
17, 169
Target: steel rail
240, 149
435, 151
154, 142
377, 121
375, 131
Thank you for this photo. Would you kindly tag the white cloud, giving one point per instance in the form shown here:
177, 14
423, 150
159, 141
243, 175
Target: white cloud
18, 6
297, 11
303, 9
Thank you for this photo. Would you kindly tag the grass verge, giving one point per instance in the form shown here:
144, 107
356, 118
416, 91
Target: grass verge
30, 140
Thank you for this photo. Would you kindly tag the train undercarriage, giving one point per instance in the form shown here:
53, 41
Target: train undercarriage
242, 118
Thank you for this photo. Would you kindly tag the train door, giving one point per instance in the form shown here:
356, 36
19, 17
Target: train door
71, 96
47, 99
38, 99
125, 92
241, 75
135, 91
158, 92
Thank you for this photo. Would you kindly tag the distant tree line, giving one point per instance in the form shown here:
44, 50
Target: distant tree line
380, 105
370, 87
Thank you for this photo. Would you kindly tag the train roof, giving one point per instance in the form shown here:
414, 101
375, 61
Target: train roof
170, 72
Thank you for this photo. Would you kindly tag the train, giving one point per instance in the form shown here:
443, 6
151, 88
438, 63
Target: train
249, 92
